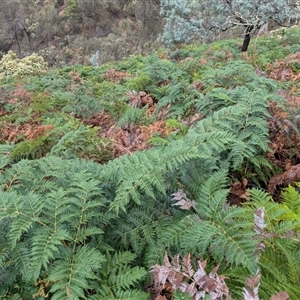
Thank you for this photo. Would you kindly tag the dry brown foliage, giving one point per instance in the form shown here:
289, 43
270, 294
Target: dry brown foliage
284, 142
284, 179
238, 192
280, 296
282, 137
102, 120
17, 133
282, 70
75, 77
140, 99
134, 138
20, 95
130, 139
251, 289
76, 80
198, 85
43, 284
182, 276
182, 200
115, 76
26, 99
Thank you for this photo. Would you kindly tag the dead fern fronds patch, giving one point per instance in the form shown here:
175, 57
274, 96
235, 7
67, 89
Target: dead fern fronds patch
195, 281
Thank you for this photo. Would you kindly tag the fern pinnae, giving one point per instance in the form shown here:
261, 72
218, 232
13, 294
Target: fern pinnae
141, 228
228, 234
214, 203
122, 295
235, 243
292, 255
291, 196
20, 257
214, 100
71, 275
187, 267
240, 152
137, 178
44, 246
207, 202
175, 154
124, 193
5, 159
127, 276
22, 220
117, 276
57, 213
122, 258
225, 240
173, 234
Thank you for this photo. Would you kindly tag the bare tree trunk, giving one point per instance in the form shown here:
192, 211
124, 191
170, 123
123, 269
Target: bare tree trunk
246, 42
247, 38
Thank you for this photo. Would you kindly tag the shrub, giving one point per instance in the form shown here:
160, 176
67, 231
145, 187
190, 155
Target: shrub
10, 65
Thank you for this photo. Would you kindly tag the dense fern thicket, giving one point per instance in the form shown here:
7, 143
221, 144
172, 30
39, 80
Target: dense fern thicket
109, 172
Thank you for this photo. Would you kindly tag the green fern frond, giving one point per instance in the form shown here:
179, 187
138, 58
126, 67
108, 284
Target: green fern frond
180, 96
218, 98
70, 275
121, 295
279, 260
45, 245
279, 216
229, 239
16, 297
82, 104
234, 73
160, 70
135, 174
118, 276
121, 258
211, 196
30, 149
5, 150
21, 219
291, 265
260, 170
83, 142
133, 115
54, 227
140, 83
251, 132
126, 277
4, 161
226, 231
291, 199
191, 65
140, 228
20, 259
278, 269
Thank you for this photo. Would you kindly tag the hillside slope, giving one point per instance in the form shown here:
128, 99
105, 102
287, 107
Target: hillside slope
109, 172
71, 32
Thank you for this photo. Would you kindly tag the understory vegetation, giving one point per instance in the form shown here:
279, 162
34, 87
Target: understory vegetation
168, 176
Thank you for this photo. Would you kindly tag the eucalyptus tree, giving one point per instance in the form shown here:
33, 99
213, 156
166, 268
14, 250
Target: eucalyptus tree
188, 20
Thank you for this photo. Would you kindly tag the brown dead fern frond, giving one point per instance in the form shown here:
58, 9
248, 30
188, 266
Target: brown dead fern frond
194, 281
115, 76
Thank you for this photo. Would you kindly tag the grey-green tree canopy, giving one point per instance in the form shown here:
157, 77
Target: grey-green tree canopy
189, 20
